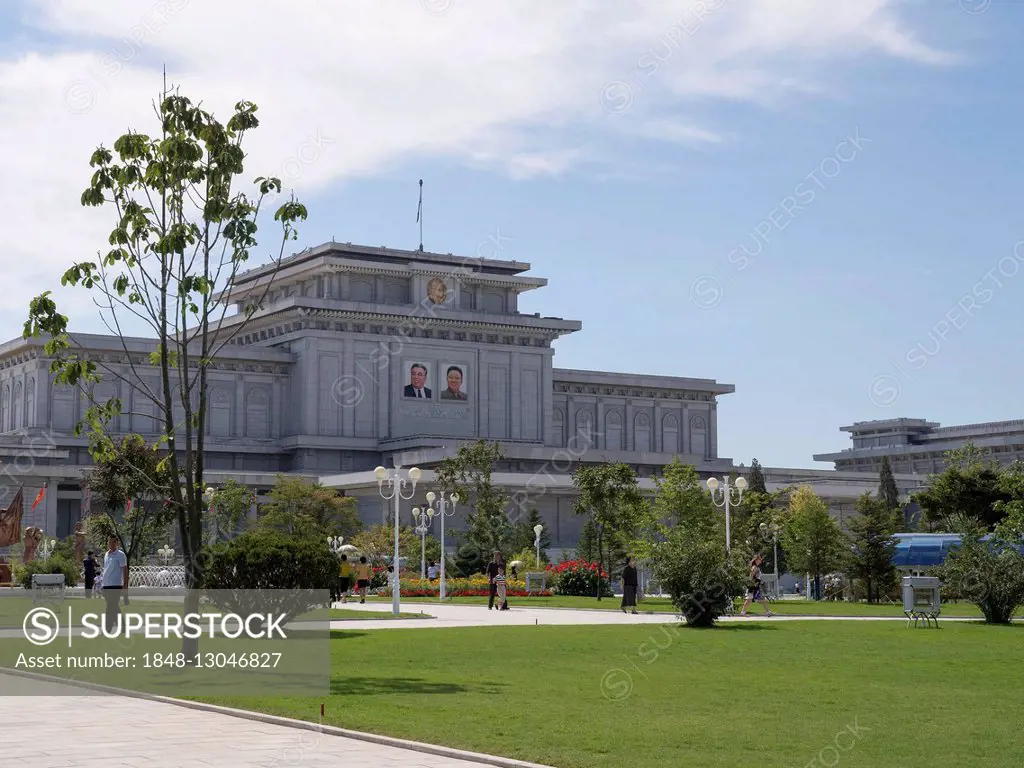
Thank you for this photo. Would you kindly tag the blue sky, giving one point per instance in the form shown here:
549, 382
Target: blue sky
629, 219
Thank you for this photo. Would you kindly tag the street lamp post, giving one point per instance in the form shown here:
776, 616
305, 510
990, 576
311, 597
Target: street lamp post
721, 490
445, 508
336, 543
422, 518
395, 483
165, 553
46, 547
537, 529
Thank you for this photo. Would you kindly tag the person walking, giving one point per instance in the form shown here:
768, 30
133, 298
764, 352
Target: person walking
500, 585
345, 571
363, 576
89, 565
754, 587
432, 571
629, 584
115, 583
492, 572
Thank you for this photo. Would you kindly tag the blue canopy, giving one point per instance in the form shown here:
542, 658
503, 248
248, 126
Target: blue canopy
921, 550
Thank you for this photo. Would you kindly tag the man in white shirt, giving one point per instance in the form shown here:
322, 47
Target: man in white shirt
432, 571
115, 579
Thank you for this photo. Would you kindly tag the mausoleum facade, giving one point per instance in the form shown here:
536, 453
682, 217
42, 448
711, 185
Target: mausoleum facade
362, 356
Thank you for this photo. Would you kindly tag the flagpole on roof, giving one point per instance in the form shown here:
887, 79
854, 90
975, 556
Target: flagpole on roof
419, 215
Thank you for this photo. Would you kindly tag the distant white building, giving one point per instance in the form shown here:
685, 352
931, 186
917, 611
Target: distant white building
918, 447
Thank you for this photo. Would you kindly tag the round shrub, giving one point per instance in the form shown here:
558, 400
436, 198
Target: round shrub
266, 569
698, 575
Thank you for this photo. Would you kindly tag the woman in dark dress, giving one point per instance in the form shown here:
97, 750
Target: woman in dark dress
629, 585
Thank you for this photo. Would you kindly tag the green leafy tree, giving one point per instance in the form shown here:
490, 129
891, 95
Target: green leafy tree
468, 473
988, 569
755, 478
813, 542
229, 506
610, 495
969, 492
680, 499
301, 507
378, 544
887, 490
524, 537
469, 560
1011, 482
132, 483
183, 234
692, 564
871, 531
586, 546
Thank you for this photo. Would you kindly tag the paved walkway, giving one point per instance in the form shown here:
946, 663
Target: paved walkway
61, 728
454, 615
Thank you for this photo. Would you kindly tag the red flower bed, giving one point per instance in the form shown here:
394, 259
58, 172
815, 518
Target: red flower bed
575, 565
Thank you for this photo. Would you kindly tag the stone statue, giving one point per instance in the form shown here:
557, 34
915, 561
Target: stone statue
33, 536
80, 541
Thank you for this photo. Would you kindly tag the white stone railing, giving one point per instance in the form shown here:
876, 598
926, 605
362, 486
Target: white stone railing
156, 576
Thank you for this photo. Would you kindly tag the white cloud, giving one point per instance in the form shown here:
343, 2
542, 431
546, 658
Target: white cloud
374, 82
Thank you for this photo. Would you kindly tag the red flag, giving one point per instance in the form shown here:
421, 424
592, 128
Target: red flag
39, 497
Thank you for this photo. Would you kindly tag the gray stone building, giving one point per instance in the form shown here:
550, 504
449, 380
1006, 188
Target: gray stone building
918, 447
363, 356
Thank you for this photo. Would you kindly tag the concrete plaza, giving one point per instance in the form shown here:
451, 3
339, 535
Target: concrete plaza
59, 726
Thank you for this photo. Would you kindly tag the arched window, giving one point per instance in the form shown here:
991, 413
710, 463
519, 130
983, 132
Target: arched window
613, 431
698, 436
16, 405
670, 434
558, 427
30, 402
585, 428
5, 408
62, 408
103, 393
360, 290
257, 413
642, 432
219, 419
494, 302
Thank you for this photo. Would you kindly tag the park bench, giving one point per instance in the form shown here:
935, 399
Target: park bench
44, 584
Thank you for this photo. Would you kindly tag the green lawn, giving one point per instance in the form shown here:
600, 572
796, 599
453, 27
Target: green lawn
650, 696
13, 609
664, 605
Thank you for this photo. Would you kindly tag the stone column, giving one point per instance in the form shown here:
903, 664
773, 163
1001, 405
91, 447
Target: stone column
657, 443
685, 428
713, 429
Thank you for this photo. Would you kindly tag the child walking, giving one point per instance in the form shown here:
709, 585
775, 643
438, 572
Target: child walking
500, 585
